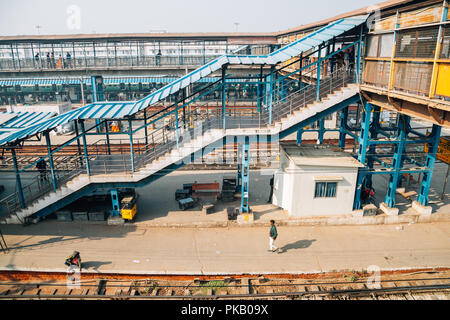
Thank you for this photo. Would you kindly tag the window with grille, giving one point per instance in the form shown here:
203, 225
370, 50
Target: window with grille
445, 48
380, 45
419, 43
325, 190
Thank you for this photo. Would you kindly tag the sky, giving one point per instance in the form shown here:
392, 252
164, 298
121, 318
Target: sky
21, 17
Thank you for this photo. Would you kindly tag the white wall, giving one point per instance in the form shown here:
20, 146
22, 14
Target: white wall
294, 191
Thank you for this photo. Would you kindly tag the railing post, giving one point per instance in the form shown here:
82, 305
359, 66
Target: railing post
50, 158
319, 60
19, 183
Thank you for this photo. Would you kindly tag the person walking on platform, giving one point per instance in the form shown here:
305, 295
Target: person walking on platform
74, 260
273, 234
49, 63
42, 168
68, 60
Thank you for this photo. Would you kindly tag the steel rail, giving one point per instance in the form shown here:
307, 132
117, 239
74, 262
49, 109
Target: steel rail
233, 296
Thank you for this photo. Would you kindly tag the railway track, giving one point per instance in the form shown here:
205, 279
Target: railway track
413, 286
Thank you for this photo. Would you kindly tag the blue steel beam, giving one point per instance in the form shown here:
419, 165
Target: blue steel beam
397, 163
430, 161
364, 135
115, 202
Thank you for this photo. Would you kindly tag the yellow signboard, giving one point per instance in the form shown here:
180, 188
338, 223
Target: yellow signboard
443, 80
443, 152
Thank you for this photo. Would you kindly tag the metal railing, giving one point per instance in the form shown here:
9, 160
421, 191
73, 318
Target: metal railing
103, 62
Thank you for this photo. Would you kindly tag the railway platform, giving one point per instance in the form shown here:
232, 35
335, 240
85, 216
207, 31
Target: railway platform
221, 251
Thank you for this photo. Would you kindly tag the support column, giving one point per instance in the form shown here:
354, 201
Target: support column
78, 142
397, 160
364, 135
321, 130
245, 175
258, 90
374, 127
115, 203
422, 198
319, 62
50, 159
86, 157
269, 92
130, 132
18, 181
108, 144
299, 136
224, 92
94, 99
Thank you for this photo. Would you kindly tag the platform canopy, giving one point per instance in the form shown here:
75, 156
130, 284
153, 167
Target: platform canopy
120, 110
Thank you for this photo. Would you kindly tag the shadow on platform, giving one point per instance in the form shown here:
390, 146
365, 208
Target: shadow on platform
300, 244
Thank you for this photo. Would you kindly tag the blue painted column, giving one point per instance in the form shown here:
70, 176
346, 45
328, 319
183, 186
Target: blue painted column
115, 203
94, 98
78, 143
363, 141
245, 175
176, 120
343, 127
364, 135
357, 200
224, 101
321, 129
108, 144
431, 159
319, 59
269, 93
374, 128
130, 132
299, 136
86, 157
258, 90
50, 159
397, 160
18, 181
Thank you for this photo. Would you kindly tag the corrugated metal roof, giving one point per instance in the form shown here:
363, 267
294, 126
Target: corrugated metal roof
14, 120
111, 110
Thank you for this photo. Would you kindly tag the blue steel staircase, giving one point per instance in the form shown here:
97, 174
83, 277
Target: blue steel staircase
168, 150
202, 135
